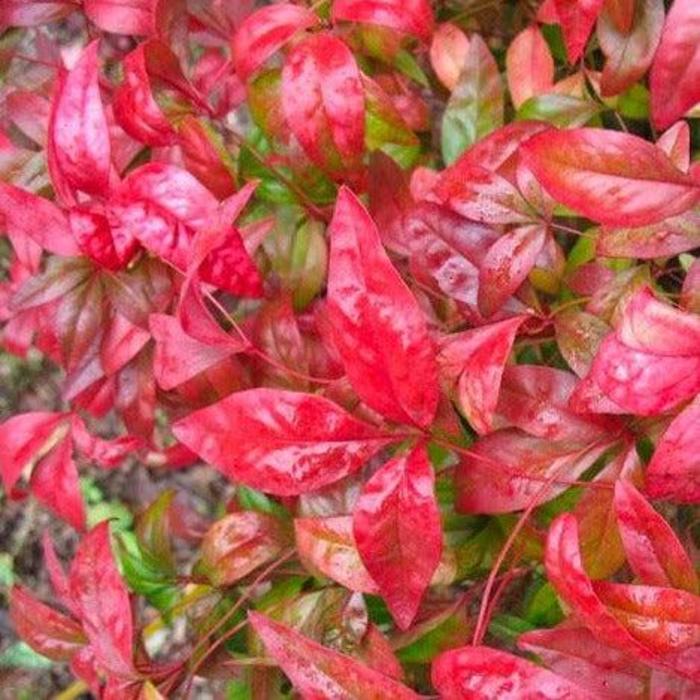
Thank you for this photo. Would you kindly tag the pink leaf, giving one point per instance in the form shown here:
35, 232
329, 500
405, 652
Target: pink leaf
318, 672
614, 178
654, 553
529, 66
178, 356
475, 359
103, 601
396, 522
123, 16
674, 470
675, 73
448, 53
79, 143
507, 264
413, 17
379, 330
481, 673
29, 13
280, 442
266, 31
327, 546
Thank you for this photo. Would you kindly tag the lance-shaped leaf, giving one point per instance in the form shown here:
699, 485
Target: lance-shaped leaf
379, 329
577, 18
506, 470
614, 178
24, 438
396, 523
323, 102
675, 73
103, 602
39, 219
475, 106
474, 360
651, 363
110, 248
327, 546
674, 470
663, 619
535, 399
79, 144
414, 17
280, 442
529, 66
579, 335
675, 143
481, 673
54, 482
507, 264
602, 551
674, 235
178, 356
238, 544
448, 53
573, 652
266, 31
135, 107
318, 672
653, 551
629, 53
29, 13
45, 630
123, 17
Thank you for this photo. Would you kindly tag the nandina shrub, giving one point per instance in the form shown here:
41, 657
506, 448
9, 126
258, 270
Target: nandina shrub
420, 282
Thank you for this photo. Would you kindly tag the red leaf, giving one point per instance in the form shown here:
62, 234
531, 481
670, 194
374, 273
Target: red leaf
675, 74
280, 442
448, 53
507, 264
54, 483
135, 107
663, 619
397, 527
481, 673
79, 143
103, 601
475, 359
27, 215
566, 574
327, 546
674, 470
110, 248
265, 32
654, 553
46, 631
380, 332
535, 399
574, 653
629, 53
505, 470
323, 102
529, 66
160, 205
622, 13
614, 178
675, 143
413, 17
57, 576
23, 438
122, 16
577, 18
178, 356
318, 672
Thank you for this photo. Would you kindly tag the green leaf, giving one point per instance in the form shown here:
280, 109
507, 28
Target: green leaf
559, 110
475, 107
20, 655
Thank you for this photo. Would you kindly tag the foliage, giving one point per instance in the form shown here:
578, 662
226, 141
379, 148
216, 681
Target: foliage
420, 282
